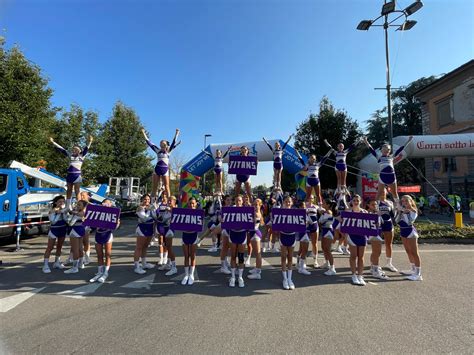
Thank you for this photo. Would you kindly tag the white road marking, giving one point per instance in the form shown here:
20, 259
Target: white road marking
8, 303
144, 282
80, 292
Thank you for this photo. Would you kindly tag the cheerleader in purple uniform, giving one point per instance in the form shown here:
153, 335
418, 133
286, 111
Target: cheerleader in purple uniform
340, 238
287, 241
103, 247
213, 213
162, 216
357, 244
57, 232
312, 177
243, 179
327, 235
277, 161
312, 229
168, 237
144, 233
161, 173
218, 161
73, 177
238, 239
255, 240
303, 238
386, 211
387, 175
190, 240
225, 242
409, 235
76, 233
376, 243
341, 167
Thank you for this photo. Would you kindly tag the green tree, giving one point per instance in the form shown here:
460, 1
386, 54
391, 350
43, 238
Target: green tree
334, 125
26, 113
121, 149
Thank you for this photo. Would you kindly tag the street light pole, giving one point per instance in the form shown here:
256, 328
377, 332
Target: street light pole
389, 93
204, 177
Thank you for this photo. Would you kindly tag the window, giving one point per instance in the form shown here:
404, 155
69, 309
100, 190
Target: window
448, 162
445, 111
19, 183
3, 183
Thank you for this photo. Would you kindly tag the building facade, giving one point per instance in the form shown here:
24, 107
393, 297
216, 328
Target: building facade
448, 108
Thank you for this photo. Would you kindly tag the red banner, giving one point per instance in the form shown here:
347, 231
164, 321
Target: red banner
414, 188
369, 188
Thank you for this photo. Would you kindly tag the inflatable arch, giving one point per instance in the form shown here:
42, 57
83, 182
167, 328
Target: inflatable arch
193, 170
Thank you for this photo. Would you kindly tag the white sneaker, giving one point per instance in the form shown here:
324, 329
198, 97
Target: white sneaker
59, 266
72, 270
96, 277
241, 282
303, 271
345, 251
264, 249
254, 276
415, 277
232, 282
46, 269
275, 250
379, 274
330, 272
291, 285
173, 271
87, 259
355, 280
103, 277
185, 279
81, 265
139, 271
191, 279
247, 261
199, 243
285, 284
338, 250
407, 272
68, 261
148, 266
391, 267
212, 249
253, 271
361, 281
164, 267
225, 270
161, 262
325, 265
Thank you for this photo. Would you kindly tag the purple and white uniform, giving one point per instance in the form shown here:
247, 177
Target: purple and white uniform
75, 164
341, 158
189, 238
311, 223
405, 220
256, 234
214, 214
162, 215
163, 157
58, 224
326, 220
76, 229
357, 240
386, 168
277, 155
103, 236
386, 212
312, 176
145, 222
341, 206
218, 161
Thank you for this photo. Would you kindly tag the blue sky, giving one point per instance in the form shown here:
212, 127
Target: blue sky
235, 69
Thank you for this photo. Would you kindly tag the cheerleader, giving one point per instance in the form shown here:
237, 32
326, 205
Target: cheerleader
57, 232
255, 240
387, 175
213, 213
376, 244
341, 167
303, 238
161, 173
73, 177
386, 211
144, 234
224, 240
276, 200
327, 235
162, 216
103, 247
287, 241
409, 236
76, 233
341, 238
238, 239
168, 239
190, 240
312, 178
312, 228
248, 259
86, 245
245, 179
218, 161
357, 244
277, 160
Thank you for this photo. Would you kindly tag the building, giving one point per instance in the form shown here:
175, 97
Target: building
448, 108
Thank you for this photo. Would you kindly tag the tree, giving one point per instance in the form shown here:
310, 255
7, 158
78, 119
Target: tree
26, 113
406, 120
334, 125
121, 149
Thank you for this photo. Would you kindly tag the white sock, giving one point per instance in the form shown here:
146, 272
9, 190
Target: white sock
99, 269
186, 270
290, 273
75, 263
81, 261
165, 255
88, 253
137, 264
333, 268
57, 259
241, 273
161, 256
258, 271
143, 261
418, 270
71, 256
106, 270
173, 263
233, 272
413, 267
284, 275
223, 263
389, 261
46, 261
192, 270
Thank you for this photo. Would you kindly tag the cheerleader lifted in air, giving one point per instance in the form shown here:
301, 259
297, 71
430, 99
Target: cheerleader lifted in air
277, 151
218, 161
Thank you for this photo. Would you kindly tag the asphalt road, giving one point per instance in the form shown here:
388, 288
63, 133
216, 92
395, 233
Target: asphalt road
58, 313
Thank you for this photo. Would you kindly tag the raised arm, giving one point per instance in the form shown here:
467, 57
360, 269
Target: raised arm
173, 143
268, 144
323, 159
85, 150
227, 152
400, 149
58, 147
300, 158
150, 143
287, 141
372, 150
207, 153
352, 146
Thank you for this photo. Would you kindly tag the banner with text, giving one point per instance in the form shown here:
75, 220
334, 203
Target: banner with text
358, 223
289, 220
243, 165
187, 220
103, 217
238, 218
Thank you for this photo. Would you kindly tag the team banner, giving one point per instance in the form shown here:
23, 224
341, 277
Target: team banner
238, 218
186, 219
289, 220
357, 223
243, 165
103, 217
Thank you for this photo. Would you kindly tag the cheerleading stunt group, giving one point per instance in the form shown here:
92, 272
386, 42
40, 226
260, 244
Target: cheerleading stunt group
323, 221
